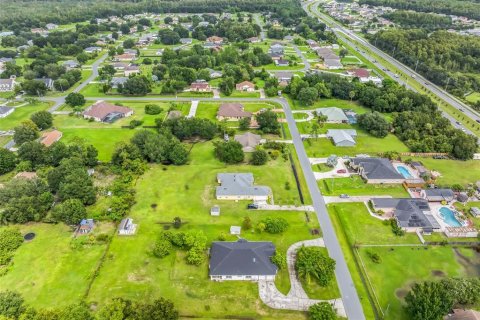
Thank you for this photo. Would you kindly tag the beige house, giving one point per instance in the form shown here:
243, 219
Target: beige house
232, 112
246, 86
249, 141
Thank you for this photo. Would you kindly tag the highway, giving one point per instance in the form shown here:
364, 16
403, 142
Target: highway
353, 40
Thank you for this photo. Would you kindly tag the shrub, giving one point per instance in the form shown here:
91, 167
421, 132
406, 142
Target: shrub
135, 123
153, 109
322, 311
259, 157
375, 257
279, 260
275, 225
162, 248
313, 263
247, 223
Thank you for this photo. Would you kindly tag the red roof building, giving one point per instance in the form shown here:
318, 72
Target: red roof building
50, 137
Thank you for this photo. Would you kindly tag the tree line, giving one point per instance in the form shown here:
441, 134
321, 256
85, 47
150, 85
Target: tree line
449, 60
422, 20
466, 8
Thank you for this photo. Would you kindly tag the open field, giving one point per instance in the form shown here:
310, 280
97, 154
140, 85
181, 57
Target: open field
131, 271
399, 267
473, 97
48, 267
355, 186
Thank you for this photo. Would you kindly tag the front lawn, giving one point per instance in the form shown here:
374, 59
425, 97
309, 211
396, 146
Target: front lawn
21, 114
355, 186
208, 110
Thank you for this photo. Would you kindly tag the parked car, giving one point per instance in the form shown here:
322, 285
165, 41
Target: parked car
341, 171
252, 206
344, 196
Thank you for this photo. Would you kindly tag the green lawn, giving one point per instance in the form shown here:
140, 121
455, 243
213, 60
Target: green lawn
402, 266
361, 228
188, 191
351, 60
366, 144
355, 186
453, 171
242, 94
47, 267
21, 114
473, 97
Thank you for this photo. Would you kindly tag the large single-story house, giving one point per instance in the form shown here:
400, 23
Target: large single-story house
232, 112
185, 40
215, 40
125, 57
120, 65
282, 63
106, 112
333, 64
50, 137
5, 111
117, 81
284, 76
276, 49
475, 211
245, 86
92, 49
342, 137
71, 64
376, 170
334, 114
200, 86
412, 214
239, 186
242, 260
437, 195
127, 227
249, 141
131, 69
8, 84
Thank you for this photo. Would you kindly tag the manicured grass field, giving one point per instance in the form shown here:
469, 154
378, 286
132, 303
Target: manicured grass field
47, 267
21, 114
355, 186
242, 94
188, 191
366, 144
453, 171
104, 139
400, 267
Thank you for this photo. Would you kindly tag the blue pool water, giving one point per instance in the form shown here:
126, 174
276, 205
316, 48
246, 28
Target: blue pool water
449, 217
404, 172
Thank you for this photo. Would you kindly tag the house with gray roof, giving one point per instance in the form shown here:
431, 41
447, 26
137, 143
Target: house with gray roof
116, 81
333, 114
239, 186
5, 111
7, 84
47, 81
333, 64
342, 137
242, 260
376, 170
438, 195
412, 214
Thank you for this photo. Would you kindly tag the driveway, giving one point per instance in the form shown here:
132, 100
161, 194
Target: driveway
309, 114
296, 299
285, 208
193, 109
334, 172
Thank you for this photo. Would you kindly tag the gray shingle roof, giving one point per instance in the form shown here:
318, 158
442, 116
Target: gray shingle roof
241, 258
5, 110
377, 168
239, 184
410, 212
439, 193
342, 136
333, 114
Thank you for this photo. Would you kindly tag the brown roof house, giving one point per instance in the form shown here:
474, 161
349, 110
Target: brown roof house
249, 141
131, 69
50, 137
106, 112
215, 40
200, 86
245, 86
232, 112
125, 57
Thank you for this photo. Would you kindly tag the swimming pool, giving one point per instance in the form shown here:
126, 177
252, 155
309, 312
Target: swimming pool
404, 172
448, 217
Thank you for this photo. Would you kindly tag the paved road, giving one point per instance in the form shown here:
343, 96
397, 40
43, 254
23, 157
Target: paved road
350, 298
263, 35
61, 100
352, 39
